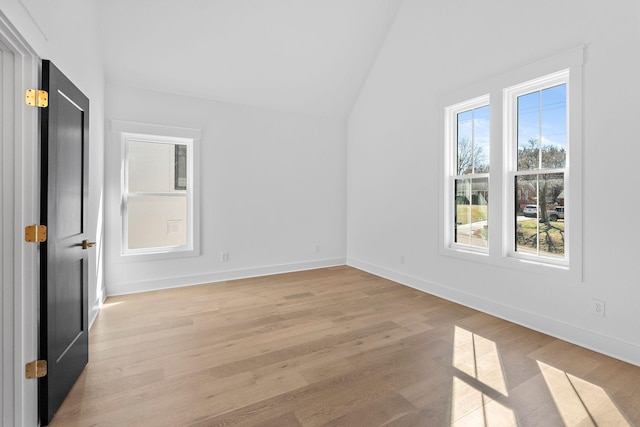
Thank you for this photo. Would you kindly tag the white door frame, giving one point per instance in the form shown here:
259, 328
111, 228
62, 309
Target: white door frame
19, 185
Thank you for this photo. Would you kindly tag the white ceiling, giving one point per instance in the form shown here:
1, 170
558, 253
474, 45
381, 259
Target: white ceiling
305, 56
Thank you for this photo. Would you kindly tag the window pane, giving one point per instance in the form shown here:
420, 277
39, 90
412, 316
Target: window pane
540, 226
180, 162
481, 139
157, 221
473, 141
471, 200
529, 131
554, 127
542, 129
465, 142
152, 167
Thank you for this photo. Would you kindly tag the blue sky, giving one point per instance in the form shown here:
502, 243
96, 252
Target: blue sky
547, 107
542, 116
473, 125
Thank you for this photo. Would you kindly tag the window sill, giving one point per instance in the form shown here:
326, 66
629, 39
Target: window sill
555, 271
158, 255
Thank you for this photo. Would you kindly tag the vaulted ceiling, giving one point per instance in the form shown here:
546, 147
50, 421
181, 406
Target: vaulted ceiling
304, 56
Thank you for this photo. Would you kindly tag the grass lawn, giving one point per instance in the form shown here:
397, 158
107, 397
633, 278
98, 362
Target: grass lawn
478, 213
551, 236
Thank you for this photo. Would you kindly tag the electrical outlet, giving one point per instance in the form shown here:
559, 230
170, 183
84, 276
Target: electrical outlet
403, 260
224, 256
317, 249
597, 307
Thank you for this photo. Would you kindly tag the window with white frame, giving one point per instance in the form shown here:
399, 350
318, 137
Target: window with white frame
531, 120
468, 189
536, 139
159, 178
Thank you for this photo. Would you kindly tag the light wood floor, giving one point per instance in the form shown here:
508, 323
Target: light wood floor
334, 347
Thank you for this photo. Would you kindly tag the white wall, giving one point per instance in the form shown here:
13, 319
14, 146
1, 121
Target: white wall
272, 188
393, 159
64, 32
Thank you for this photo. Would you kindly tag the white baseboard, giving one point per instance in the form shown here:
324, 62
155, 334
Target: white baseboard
615, 348
175, 282
93, 313
97, 305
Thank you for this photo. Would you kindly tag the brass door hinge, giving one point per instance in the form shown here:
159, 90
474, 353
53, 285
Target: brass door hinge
35, 369
35, 233
37, 98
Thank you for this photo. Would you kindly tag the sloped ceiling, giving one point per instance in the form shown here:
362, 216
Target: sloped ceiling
304, 56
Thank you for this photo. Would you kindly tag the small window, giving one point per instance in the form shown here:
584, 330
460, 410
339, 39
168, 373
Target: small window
157, 195
159, 179
469, 145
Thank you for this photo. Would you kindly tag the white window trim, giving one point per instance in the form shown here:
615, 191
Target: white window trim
451, 138
510, 105
124, 131
500, 211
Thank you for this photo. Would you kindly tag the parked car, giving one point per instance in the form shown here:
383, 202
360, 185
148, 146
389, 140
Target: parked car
530, 211
556, 214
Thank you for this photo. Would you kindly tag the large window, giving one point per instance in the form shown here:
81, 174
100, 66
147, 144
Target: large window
159, 205
525, 210
536, 135
469, 186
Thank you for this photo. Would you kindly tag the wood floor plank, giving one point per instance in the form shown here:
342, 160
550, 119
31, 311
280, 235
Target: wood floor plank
334, 347
377, 413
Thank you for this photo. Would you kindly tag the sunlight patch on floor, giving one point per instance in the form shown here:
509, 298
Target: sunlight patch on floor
581, 402
107, 305
471, 407
478, 358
